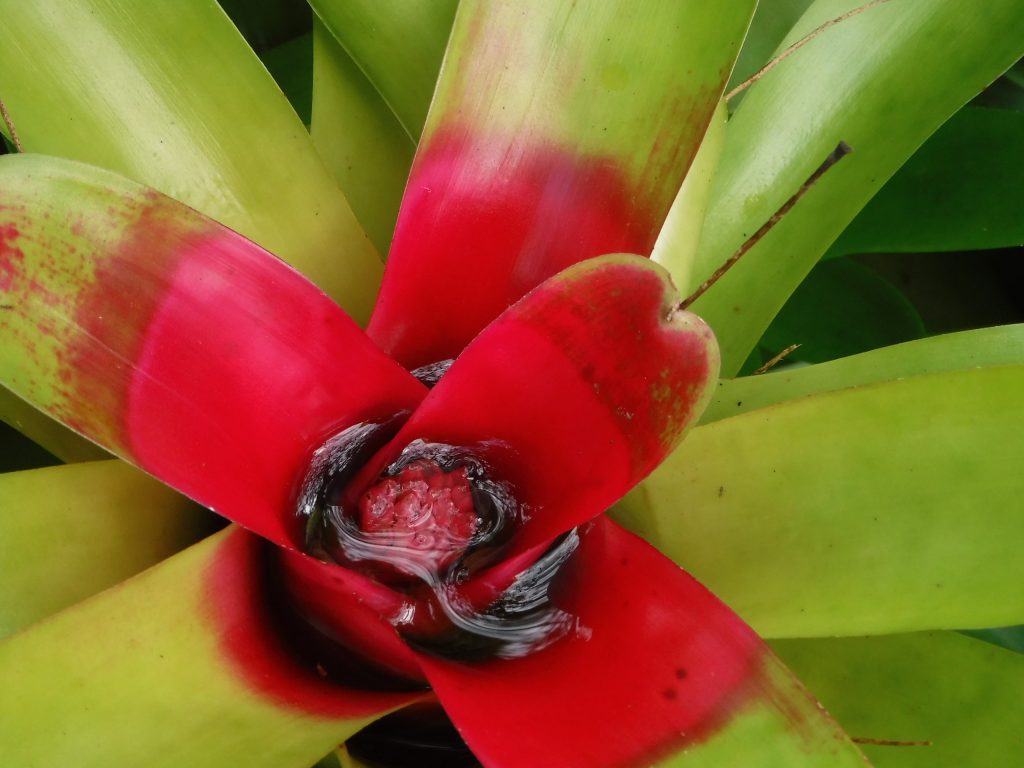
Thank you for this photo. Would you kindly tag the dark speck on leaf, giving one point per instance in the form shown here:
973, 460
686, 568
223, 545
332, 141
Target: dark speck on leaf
670, 693
721, 490
680, 673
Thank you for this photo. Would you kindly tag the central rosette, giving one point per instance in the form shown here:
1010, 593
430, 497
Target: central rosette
425, 511
433, 526
430, 516
455, 522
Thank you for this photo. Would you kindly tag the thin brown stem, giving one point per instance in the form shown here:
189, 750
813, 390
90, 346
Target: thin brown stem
837, 154
777, 359
888, 742
10, 126
797, 46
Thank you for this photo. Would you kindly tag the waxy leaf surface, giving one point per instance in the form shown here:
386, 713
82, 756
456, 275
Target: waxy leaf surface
772, 511
70, 532
575, 393
984, 347
772, 21
398, 44
958, 192
171, 96
655, 671
360, 140
959, 695
175, 343
676, 247
526, 169
181, 665
828, 91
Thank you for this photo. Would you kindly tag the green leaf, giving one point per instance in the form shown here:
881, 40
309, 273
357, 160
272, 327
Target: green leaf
961, 191
927, 58
171, 96
842, 308
155, 672
1007, 92
772, 21
883, 508
1002, 345
676, 247
359, 138
524, 170
646, 119
797, 734
72, 531
959, 694
398, 44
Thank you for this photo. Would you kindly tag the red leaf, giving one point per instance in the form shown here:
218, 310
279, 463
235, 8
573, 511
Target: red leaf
176, 343
478, 229
655, 662
575, 393
254, 637
351, 610
243, 369
555, 135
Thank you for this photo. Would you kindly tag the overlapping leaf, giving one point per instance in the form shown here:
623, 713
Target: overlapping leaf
187, 660
69, 532
358, 138
865, 510
176, 343
398, 45
232, 148
826, 92
958, 192
925, 699
524, 170
985, 347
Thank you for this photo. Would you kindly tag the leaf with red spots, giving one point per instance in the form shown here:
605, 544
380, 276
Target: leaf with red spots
575, 393
190, 661
176, 343
655, 671
170, 95
575, 151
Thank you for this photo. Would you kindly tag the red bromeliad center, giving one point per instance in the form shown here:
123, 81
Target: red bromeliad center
424, 510
557, 407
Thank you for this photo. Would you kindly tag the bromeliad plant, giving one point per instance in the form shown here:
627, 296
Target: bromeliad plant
439, 535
